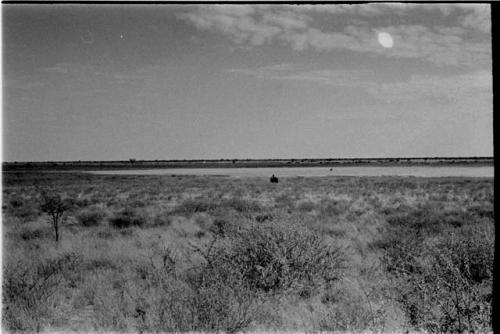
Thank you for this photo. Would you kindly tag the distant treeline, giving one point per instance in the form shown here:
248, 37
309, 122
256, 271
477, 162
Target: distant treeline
225, 163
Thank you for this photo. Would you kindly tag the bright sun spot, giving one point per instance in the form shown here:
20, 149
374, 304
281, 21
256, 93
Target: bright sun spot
385, 39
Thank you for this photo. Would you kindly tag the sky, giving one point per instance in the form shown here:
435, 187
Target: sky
113, 82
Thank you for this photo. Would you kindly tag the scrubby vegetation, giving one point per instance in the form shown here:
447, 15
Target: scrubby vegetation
207, 254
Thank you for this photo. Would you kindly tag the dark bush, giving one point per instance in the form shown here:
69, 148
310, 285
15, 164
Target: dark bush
91, 216
32, 234
333, 207
16, 202
82, 202
55, 206
220, 227
99, 263
264, 217
106, 234
23, 208
127, 218
306, 206
162, 220
482, 211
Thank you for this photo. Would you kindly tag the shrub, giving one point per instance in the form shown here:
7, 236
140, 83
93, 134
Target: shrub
228, 305
127, 218
55, 206
285, 201
220, 227
91, 216
350, 314
332, 208
307, 206
446, 286
264, 217
482, 211
106, 234
275, 257
24, 208
170, 300
32, 234
16, 202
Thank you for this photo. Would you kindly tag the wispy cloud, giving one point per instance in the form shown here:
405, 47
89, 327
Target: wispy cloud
446, 88
73, 69
23, 84
58, 68
236, 21
304, 28
291, 72
85, 72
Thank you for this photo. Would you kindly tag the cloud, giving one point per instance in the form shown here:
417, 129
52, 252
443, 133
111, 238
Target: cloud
478, 17
339, 78
475, 16
88, 73
321, 28
291, 72
235, 21
440, 48
73, 69
23, 83
441, 88
445, 88
58, 68
128, 77
286, 20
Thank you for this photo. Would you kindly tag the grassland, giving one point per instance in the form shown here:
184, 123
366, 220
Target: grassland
178, 254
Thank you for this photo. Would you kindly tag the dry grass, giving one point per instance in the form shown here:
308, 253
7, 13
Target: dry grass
137, 275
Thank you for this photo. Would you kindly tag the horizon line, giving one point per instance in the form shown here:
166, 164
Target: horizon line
245, 159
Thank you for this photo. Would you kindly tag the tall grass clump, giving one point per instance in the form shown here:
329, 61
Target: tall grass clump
241, 205
196, 205
28, 289
200, 205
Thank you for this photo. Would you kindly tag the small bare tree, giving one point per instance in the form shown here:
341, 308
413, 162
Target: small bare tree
55, 207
